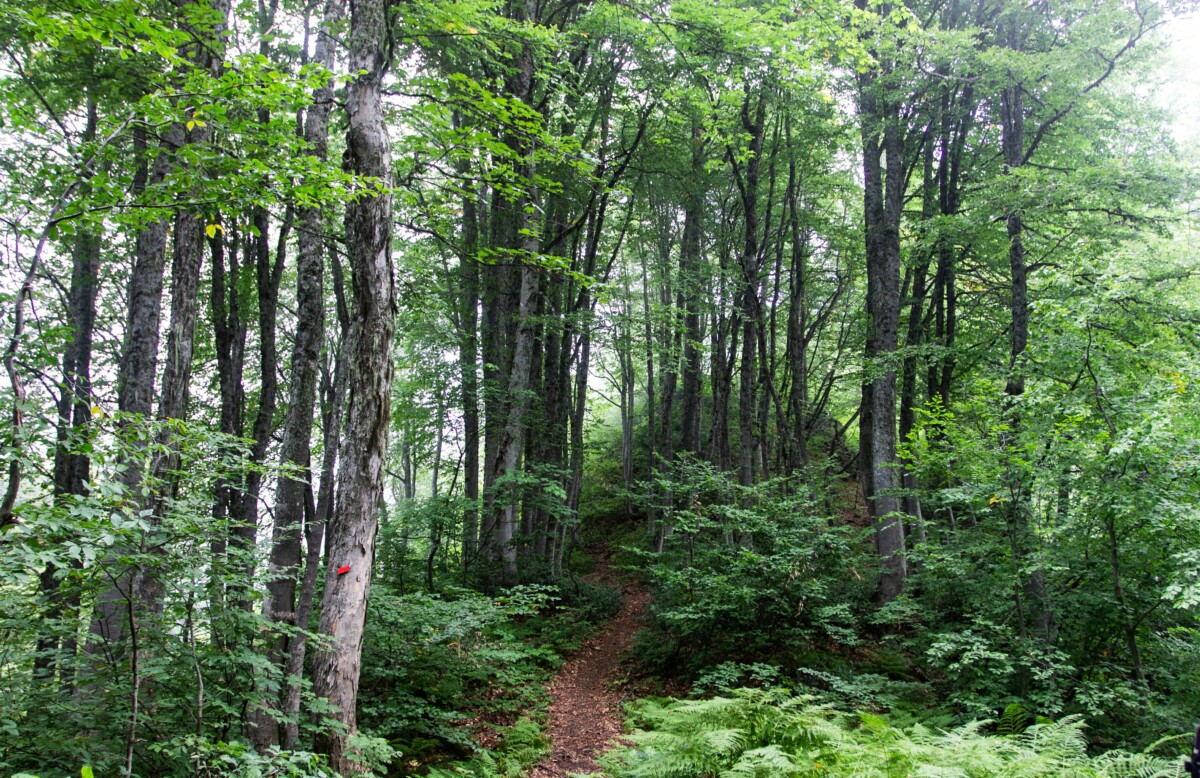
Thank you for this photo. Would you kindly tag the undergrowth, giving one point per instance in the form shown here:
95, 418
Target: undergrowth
456, 682
520, 747
755, 733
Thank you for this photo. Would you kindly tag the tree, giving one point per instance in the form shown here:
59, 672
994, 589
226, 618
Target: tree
883, 192
350, 536
294, 493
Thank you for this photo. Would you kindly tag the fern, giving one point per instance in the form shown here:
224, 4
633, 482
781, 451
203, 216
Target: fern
1014, 721
521, 746
760, 734
765, 762
1121, 765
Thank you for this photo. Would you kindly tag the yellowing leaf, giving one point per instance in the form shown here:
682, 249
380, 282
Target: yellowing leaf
191, 125
211, 230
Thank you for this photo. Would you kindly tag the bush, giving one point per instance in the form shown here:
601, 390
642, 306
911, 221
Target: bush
591, 602
65, 695
234, 760
440, 669
521, 746
745, 573
432, 662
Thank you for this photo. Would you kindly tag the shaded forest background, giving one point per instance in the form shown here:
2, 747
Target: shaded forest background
865, 335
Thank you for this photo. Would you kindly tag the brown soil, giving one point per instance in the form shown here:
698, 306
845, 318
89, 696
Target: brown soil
585, 713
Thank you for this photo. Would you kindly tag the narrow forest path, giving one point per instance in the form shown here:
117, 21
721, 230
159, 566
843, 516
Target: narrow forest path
585, 714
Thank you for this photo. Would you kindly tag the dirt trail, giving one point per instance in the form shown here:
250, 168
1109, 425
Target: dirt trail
585, 715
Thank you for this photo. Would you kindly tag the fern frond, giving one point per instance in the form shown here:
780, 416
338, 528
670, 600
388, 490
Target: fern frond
759, 734
1116, 764
931, 771
766, 762
723, 742
1014, 721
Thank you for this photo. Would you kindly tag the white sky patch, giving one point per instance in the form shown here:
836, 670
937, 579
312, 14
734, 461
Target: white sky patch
1180, 94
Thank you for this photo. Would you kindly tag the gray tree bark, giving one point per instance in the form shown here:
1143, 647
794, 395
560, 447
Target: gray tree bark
351, 533
881, 209
468, 359
72, 465
797, 327
1020, 507
333, 403
747, 177
139, 355
292, 493
690, 290
138, 364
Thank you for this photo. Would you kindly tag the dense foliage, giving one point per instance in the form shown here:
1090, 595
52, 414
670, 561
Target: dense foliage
764, 734
340, 339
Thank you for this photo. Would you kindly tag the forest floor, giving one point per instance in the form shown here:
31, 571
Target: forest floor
585, 710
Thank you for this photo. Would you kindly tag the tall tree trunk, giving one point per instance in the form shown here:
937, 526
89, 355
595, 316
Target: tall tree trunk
534, 427
651, 393
267, 281
797, 327
294, 493
1020, 506
317, 517
229, 332
753, 122
137, 369
673, 338
556, 372
244, 517
724, 347
468, 359
351, 533
945, 291
189, 249
513, 440
881, 209
142, 588
519, 241
496, 328
72, 465
914, 334
627, 386
579, 410
690, 290
187, 257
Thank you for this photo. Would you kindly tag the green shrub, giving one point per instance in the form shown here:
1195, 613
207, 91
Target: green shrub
521, 746
237, 760
437, 668
591, 602
430, 662
747, 572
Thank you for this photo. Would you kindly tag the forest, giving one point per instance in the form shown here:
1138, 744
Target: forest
628, 388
